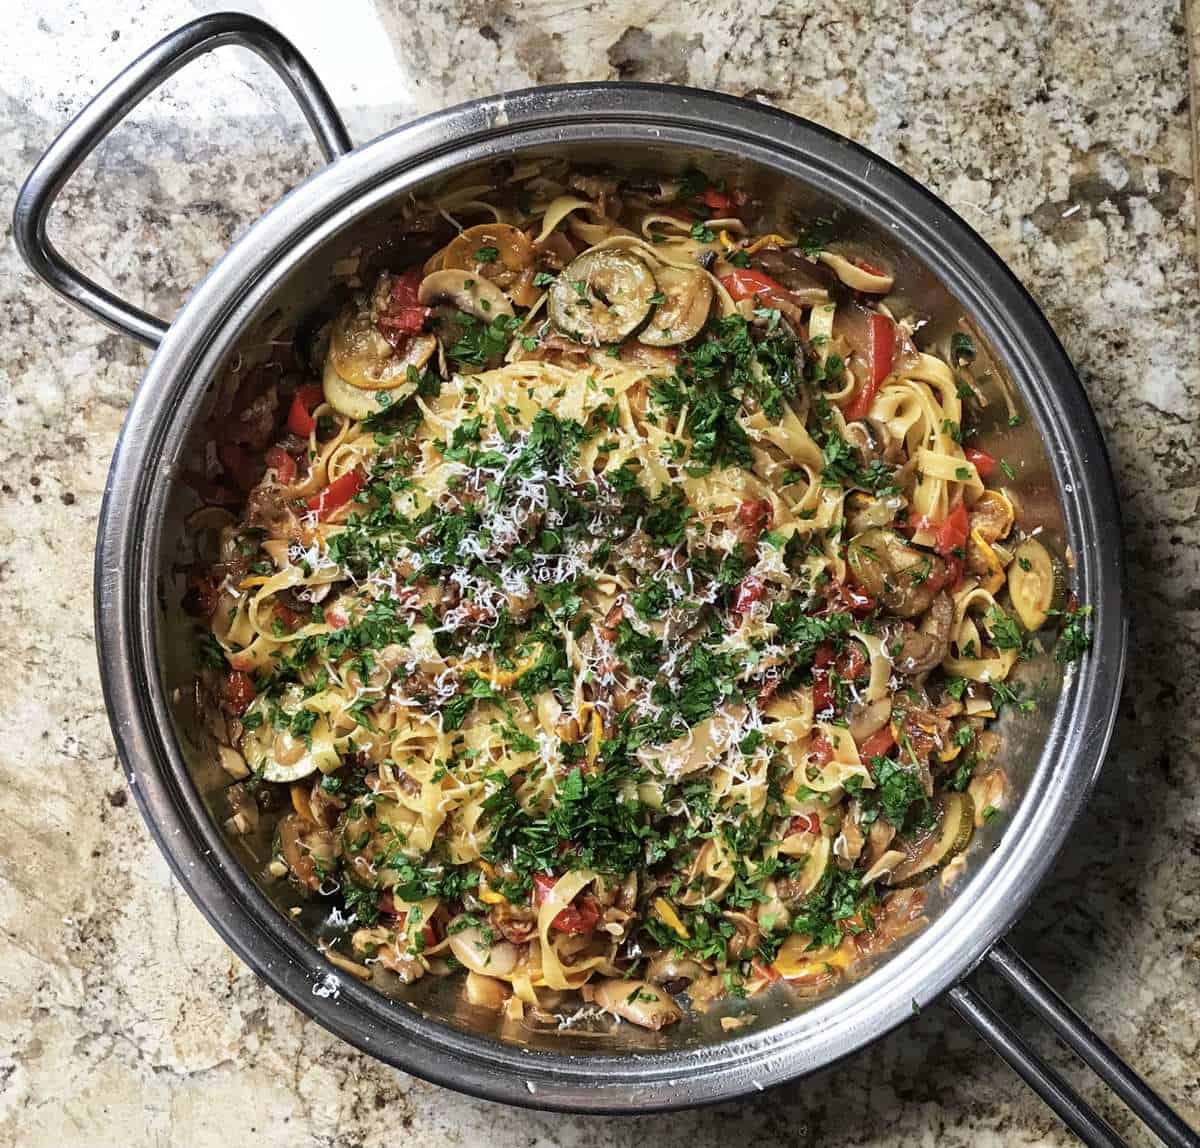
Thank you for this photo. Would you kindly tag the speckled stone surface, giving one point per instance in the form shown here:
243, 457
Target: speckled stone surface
1060, 130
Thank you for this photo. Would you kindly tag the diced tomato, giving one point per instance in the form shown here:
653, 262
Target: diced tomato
804, 823
822, 692
845, 596
289, 617
429, 934
406, 285
300, 420
952, 533
405, 315
749, 591
237, 461
336, 617
575, 918
399, 322
754, 516
578, 918
851, 662
820, 749
983, 462
239, 691
881, 351
337, 493
878, 743
745, 283
718, 201
282, 464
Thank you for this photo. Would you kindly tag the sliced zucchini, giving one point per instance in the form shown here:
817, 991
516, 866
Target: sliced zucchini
358, 402
602, 297
1032, 580
684, 310
950, 836
364, 358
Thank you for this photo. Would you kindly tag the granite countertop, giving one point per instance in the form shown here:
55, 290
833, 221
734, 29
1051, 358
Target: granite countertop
1058, 129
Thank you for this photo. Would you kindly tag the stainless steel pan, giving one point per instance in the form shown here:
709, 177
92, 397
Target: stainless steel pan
280, 270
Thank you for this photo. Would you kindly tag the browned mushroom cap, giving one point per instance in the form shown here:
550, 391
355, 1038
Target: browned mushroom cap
903, 579
921, 650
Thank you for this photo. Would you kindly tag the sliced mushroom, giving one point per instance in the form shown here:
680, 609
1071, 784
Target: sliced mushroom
902, 578
637, 1002
921, 650
468, 292
668, 969
992, 516
865, 717
1032, 582
688, 297
479, 953
602, 297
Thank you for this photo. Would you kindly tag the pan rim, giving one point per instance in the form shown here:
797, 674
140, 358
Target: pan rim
127, 559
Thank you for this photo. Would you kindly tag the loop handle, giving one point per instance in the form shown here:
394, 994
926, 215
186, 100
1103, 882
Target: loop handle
108, 108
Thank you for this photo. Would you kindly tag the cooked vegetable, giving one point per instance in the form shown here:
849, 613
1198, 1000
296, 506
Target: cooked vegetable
364, 358
637, 1002
1032, 580
468, 292
951, 834
902, 578
602, 297
478, 949
682, 310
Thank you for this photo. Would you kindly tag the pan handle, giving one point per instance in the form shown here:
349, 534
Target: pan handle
80, 137
1074, 1032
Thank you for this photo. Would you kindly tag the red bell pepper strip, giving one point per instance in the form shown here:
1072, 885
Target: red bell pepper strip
574, 919
983, 462
239, 691
282, 464
337, 493
745, 283
718, 201
878, 743
952, 534
881, 351
300, 420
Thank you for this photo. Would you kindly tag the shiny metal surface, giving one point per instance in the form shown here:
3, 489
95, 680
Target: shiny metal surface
279, 271
79, 139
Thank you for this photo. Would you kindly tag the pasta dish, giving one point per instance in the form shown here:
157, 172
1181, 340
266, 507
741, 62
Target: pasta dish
612, 601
